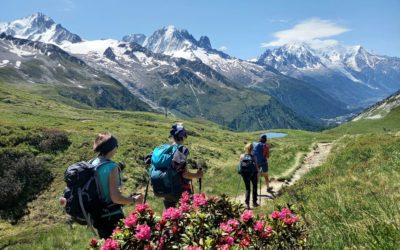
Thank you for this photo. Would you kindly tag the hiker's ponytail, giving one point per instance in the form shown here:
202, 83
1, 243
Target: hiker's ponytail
104, 143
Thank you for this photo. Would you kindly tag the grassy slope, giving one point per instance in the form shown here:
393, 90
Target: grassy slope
138, 132
352, 201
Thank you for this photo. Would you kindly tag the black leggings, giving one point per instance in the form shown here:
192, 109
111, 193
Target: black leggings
173, 201
105, 226
247, 178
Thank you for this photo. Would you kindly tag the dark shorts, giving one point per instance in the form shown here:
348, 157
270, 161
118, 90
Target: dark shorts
264, 167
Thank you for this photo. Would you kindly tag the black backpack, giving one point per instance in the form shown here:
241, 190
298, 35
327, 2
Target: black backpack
83, 194
247, 164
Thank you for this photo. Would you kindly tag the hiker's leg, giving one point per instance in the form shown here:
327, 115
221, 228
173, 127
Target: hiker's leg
246, 179
105, 226
266, 177
265, 174
254, 180
169, 203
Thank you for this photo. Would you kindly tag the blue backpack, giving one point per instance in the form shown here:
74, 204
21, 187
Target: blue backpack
258, 151
166, 182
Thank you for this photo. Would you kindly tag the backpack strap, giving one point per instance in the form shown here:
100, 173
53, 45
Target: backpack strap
96, 175
85, 214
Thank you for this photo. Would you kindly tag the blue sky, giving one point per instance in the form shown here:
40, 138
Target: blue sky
242, 28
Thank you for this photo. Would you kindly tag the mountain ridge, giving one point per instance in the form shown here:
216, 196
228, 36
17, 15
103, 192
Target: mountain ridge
172, 63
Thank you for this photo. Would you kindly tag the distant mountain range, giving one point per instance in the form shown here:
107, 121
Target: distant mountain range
349, 73
295, 86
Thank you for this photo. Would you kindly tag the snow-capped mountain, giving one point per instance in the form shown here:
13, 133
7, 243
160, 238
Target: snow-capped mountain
46, 67
349, 73
206, 74
135, 38
39, 27
103, 66
179, 43
173, 42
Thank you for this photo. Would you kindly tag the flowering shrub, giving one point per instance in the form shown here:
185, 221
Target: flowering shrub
205, 223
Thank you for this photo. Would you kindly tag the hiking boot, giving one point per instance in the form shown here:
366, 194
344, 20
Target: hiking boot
247, 206
269, 189
255, 204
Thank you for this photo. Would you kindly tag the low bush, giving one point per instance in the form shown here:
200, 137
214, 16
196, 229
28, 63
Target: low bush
206, 223
51, 141
22, 176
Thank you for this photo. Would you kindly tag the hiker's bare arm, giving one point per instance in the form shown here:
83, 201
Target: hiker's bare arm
188, 175
115, 193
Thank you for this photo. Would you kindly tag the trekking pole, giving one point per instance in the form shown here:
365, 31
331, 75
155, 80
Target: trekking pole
260, 188
200, 182
147, 190
237, 189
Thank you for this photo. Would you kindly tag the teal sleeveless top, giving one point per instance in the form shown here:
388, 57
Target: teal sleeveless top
104, 172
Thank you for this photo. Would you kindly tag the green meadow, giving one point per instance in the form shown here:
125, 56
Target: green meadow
352, 201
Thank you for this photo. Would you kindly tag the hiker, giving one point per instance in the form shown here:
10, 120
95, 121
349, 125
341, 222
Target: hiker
179, 176
248, 169
261, 151
106, 146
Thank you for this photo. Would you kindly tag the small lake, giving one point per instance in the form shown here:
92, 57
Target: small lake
271, 135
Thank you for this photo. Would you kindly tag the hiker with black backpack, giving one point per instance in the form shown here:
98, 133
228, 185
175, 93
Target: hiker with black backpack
92, 194
261, 151
169, 174
248, 169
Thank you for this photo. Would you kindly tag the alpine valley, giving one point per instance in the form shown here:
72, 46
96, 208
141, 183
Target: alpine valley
299, 86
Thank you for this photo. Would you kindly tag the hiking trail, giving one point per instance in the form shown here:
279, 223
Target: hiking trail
316, 157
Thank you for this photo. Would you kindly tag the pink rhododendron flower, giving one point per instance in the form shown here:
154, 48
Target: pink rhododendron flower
151, 212
149, 247
290, 220
110, 244
268, 232
224, 247
246, 216
143, 232
161, 243
275, 215
93, 242
172, 213
184, 208
285, 212
131, 220
161, 224
259, 226
229, 240
246, 241
199, 200
185, 198
234, 223
141, 208
175, 229
226, 227
115, 231
194, 248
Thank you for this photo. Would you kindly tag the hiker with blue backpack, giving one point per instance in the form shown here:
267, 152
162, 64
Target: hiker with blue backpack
169, 174
92, 196
248, 169
261, 151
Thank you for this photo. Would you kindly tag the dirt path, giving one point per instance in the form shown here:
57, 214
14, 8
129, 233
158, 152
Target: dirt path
314, 158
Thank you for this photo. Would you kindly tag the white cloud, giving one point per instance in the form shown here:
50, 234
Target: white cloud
223, 48
308, 30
